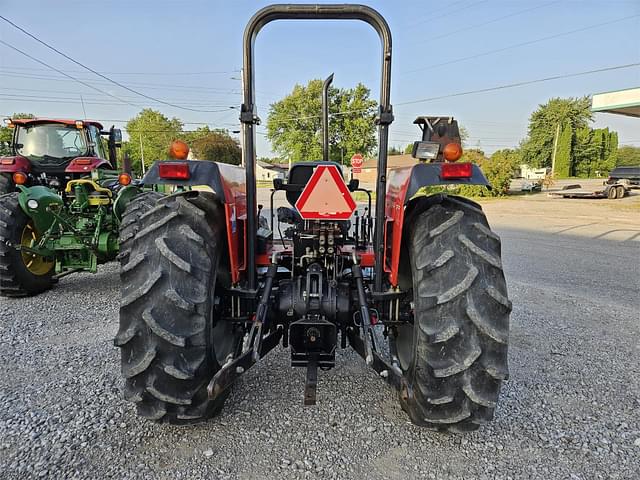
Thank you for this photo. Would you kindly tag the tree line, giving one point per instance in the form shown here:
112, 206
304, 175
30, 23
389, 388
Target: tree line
559, 136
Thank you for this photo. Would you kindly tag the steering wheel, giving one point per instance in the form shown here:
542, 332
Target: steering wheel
72, 150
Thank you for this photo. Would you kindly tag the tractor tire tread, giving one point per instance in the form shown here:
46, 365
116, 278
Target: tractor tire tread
461, 309
164, 332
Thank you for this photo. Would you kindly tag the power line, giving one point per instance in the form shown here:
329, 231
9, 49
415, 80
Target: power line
489, 22
448, 13
10, 73
74, 95
54, 99
94, 71
517, 45
220, 72
520, 84
66, 74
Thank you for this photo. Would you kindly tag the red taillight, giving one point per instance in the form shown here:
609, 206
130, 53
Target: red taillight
174, 171
456, 170
83, 161
7, 161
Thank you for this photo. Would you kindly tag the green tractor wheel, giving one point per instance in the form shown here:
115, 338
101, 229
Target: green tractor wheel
21, 273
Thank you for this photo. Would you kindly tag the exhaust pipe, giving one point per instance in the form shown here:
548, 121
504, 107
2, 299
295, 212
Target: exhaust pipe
325, 117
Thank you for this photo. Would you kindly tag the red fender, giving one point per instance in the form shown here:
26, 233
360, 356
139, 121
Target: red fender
15, 164
86, 164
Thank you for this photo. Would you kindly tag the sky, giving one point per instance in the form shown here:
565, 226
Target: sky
189, 53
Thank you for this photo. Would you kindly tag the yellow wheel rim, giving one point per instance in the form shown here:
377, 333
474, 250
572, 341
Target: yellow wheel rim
36, 264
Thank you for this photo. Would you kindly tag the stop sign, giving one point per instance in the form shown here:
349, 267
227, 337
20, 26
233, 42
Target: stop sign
357, 160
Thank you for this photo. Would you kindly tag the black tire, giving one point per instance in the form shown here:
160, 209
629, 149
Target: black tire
171, 344
612, 193
454, 356
621, 191
6, 184
16, 278
129, 224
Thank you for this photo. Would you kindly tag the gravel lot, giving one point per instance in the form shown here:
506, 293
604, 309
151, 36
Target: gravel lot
570, 409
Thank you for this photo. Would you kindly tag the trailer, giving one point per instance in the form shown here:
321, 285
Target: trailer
611, 192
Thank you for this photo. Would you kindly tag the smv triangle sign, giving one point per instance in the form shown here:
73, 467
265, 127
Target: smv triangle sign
325, 197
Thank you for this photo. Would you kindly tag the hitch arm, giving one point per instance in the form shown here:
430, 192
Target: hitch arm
230, 372
389, 372
365, 316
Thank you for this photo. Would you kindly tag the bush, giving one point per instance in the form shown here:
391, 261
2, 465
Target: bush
498, 169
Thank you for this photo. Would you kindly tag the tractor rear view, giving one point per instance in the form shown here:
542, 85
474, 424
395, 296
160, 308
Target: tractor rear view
208, 290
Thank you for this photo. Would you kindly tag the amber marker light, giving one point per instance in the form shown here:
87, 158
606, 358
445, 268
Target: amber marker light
19, 178
179, 150
124, 179
452, 152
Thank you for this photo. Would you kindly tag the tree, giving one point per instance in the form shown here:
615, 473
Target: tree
628, 156
154, 132
216, 145
543, 125
6, 134
294, 124
563, 167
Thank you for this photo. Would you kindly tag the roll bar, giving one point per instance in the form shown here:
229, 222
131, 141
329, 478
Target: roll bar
249, 116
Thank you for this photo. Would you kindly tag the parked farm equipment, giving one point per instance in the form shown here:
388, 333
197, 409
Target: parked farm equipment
61, 202
207, 290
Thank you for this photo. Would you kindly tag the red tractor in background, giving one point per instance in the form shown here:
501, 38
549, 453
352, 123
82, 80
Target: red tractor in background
208, 290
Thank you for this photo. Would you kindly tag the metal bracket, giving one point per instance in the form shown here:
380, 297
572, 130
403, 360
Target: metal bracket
230, 372
385, 117
311, 382
249, 116
389, 372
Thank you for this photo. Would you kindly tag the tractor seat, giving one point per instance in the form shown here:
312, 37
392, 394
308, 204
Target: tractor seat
299, 175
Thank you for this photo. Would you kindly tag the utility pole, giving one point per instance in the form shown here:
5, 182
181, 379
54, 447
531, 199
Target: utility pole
142, 153
555, 148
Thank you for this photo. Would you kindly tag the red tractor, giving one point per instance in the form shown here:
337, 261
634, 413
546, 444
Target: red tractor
208, 290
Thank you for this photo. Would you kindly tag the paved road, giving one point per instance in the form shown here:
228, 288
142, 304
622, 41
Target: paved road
570, 409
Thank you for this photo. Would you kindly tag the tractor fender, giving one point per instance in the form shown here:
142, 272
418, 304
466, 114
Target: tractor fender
226, 185
232, 260
125, 195
40, 211
86, 164
15, 164
404, 195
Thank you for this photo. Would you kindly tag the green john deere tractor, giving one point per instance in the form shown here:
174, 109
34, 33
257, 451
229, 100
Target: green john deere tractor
60, 202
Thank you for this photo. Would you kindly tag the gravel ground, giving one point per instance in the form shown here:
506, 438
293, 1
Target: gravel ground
570, 409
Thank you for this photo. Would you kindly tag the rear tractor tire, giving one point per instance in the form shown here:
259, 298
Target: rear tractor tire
612, 193
129, 224
171, 339
454, 356
21, 273
6, 184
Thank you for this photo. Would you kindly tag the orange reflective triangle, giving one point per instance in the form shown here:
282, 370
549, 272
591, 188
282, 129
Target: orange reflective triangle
326, 197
